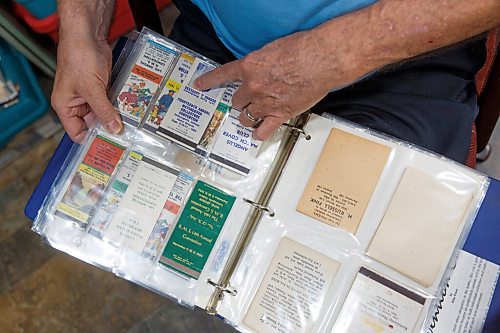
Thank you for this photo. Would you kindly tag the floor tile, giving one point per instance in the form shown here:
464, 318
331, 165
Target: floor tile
19, 177
4, 280
173, 318
66, 295
23, 253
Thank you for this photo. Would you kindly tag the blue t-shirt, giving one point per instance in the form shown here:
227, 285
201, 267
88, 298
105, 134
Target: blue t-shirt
247, 25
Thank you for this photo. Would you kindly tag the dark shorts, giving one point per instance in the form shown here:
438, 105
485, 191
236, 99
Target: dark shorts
429, 101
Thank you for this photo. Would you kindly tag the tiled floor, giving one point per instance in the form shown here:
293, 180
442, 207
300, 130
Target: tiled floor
43, 290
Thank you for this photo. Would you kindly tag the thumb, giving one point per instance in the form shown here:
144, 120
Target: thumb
267, 128
104, 111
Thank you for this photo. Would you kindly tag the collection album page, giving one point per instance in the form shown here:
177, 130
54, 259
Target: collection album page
343, 219
168, 222
162, 203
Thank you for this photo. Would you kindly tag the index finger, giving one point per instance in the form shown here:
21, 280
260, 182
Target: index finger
229, 72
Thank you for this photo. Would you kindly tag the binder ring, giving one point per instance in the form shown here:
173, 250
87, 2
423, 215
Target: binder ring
228, 290
260, 207
300, 130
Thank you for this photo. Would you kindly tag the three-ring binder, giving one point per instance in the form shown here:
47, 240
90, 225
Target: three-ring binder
222, 287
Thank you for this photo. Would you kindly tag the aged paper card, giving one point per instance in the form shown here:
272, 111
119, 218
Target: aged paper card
292, 291
343, 180
420, 226
376, 304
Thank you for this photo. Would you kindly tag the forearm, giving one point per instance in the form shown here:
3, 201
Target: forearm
85, 18
390, 30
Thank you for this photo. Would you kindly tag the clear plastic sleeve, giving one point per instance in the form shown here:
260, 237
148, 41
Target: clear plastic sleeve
134, 203
368, 205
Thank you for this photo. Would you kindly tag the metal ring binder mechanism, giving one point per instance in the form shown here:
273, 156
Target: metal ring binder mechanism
299, 130
261, 207
252, 221
221, 289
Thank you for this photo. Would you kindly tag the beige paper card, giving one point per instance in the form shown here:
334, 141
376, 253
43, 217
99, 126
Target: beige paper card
293, 290
343, 180
420, 227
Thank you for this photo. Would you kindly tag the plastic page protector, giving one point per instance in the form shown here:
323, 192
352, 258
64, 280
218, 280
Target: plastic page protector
142, 204
168, 92
234, 147
140, 87
343, 180
191, 110
114, 196
376, 304
420, 226
292, 291
90, 179
197, 229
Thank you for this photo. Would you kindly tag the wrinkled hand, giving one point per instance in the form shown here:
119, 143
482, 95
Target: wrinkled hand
280, 81
79, 95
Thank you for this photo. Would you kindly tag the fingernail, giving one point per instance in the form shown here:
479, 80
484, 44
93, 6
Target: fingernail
114, 126
197, 84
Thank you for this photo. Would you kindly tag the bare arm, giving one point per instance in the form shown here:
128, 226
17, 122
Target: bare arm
85, 18
83, 67
391, 31
291, 74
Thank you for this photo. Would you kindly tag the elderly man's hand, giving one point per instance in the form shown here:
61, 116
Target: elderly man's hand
291, 74
79, 95
282, 80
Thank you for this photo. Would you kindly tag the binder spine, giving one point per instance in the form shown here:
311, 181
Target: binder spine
222, 286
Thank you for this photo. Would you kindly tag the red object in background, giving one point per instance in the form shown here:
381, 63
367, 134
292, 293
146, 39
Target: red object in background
123, 20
